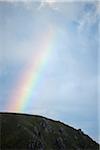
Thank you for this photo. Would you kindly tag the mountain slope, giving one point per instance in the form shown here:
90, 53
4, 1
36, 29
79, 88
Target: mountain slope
29, 132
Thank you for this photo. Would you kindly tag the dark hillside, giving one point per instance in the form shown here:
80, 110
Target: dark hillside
29, 132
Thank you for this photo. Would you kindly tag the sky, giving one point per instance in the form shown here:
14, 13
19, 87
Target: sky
49, 62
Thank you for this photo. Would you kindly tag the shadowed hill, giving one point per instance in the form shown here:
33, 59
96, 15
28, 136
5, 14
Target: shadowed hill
29, 132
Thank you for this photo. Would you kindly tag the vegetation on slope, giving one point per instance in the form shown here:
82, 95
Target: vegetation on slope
29, 132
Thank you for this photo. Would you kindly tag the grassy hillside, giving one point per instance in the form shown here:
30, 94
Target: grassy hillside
29, 132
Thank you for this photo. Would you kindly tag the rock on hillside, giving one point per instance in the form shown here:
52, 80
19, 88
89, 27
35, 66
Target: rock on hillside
29, 132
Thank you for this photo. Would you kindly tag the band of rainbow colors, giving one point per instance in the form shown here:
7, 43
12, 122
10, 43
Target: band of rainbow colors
29, 79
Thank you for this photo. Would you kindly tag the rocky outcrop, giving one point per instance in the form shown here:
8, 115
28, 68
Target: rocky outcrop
29, 132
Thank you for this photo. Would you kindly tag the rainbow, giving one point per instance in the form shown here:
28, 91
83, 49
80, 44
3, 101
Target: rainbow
32, 76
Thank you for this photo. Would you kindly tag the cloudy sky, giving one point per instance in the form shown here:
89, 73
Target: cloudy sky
66, 84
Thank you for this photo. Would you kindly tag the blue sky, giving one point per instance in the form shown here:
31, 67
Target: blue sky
68, 91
